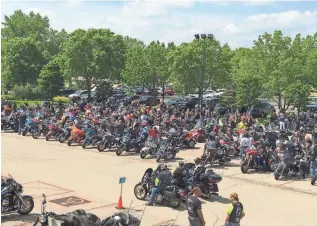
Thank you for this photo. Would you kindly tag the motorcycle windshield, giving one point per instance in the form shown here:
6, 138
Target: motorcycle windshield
198, 124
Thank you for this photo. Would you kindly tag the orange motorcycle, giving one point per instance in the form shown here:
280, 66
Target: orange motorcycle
76, 136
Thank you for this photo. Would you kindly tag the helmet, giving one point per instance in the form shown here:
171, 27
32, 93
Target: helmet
212, 136
181, 163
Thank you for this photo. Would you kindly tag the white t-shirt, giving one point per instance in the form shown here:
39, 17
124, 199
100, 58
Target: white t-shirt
246, 142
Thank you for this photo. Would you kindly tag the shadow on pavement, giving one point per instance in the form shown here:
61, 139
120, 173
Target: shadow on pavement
16, 217
221, 199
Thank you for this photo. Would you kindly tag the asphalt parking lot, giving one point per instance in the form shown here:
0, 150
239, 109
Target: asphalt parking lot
74, 178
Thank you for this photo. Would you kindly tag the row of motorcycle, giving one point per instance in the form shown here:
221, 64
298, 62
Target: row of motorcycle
89, 133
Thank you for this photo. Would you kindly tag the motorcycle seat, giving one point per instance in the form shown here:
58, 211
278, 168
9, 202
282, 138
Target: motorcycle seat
170, 188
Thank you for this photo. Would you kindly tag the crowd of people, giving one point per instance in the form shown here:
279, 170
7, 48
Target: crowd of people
286, 134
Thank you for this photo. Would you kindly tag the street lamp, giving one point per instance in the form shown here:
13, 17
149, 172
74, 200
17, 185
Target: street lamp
203, 38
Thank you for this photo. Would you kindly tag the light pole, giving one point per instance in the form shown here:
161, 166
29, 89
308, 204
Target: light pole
203, 38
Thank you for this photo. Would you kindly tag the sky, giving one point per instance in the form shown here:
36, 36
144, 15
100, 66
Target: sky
237, 23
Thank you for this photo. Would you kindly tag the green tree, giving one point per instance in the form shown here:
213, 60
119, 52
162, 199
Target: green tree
92, 56
51, 79
22, 61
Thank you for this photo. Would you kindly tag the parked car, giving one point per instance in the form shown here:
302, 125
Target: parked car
139, 90
167, 91
77, 94
191, 102
66, 92
177, 102
128, 99
149, 100
84, 96
262, 109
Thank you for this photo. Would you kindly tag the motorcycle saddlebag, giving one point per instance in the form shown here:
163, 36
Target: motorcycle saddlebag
213, 176
170, 188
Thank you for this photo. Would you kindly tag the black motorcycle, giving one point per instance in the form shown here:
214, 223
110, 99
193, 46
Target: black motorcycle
151, 148
65, 134
107, 142
172, 195
7, 124
12, 199
41, 129
207, 182
129, 144
289, 169
166, 151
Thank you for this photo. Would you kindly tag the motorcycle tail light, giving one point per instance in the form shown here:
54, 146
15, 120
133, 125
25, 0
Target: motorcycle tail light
181, 194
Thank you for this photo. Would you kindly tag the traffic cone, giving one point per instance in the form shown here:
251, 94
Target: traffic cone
120, 204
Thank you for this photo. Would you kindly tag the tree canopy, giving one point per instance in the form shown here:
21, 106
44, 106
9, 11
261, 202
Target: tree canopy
276, 67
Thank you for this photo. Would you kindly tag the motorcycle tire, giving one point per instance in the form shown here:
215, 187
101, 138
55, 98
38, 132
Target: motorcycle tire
313, 179
69, 143
61, 138
47, 138
119, 151
272, 166
174, 202
137, 187
24, 133
28, 200
36, 134
158, 158
244, 168
101, 147
191, 144
276, 176
84, 145
143, 154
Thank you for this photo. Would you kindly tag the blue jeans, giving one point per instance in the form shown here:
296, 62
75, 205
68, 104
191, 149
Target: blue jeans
232, 224
153, 194
313, 167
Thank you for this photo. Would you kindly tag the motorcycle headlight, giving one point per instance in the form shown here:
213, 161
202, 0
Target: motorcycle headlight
42, 219
219, 152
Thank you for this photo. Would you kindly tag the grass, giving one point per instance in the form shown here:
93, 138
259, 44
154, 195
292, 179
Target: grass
30, 102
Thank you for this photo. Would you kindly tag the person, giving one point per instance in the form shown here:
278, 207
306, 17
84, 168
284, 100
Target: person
180, 176
235, 211
163, 180
245, 143
195, 214
313, 158
282, 121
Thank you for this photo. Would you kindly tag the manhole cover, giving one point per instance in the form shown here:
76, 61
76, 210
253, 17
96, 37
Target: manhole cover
70, 201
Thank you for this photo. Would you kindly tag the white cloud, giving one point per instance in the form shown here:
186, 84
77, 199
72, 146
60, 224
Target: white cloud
168, 20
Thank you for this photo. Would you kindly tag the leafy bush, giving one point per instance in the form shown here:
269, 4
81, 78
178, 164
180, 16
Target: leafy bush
27, 93
61, 99
7, 97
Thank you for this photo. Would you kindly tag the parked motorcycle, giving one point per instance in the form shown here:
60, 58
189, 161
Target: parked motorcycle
181, 139
65, 135
54, 132
29, 127
77, 135
12, 199
7, 124
91, 137
166, 151
151, 148
41, 129
128, 143
107, 142
289, 170
172, 195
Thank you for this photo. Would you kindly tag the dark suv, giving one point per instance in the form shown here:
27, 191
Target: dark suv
149, 100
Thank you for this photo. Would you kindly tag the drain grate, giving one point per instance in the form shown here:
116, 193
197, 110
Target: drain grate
69, 201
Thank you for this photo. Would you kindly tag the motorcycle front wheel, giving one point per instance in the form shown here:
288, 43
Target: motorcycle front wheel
26, 206
61, 138
119, 151
143, 154
101, 146
244, 168
158, 158
140, 191
36, 134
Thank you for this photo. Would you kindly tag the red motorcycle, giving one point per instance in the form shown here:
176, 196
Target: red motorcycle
249, 160
199, 135
77, 135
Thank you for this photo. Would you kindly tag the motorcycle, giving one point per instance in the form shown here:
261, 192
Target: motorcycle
29, 127
65, 134
289, 170
12, 199
151, 148
54, 132
7, 124
107, 142
249, 160
129, 144
77, 135
181, 139
166, 151
172, 195
40, 129
208, 183
91, 137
